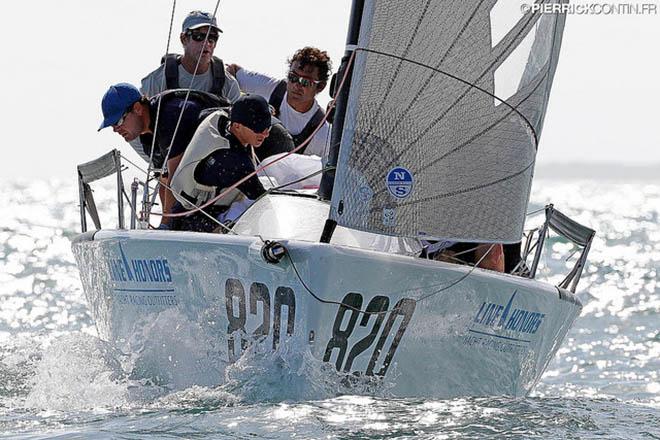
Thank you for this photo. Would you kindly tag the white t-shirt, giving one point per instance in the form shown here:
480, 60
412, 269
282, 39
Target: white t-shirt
294, 121
153, 83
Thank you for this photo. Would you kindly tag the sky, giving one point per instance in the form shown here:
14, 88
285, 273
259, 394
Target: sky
59, 58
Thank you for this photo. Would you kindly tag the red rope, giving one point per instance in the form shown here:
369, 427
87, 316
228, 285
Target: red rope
302, 145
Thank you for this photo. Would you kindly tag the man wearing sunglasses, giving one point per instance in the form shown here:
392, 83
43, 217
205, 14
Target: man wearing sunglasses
133, 115
199, 37
294, 98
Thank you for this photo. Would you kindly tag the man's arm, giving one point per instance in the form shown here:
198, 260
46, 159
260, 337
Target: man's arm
168, 198
228, 167
253, 82
231, 90
232, 69
152, 84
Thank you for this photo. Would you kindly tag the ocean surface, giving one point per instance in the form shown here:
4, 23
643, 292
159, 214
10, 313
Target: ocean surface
58, 380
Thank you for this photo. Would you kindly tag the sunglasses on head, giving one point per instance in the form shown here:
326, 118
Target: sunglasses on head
305, 82
201, 36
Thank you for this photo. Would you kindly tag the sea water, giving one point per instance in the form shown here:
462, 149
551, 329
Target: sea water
58, 380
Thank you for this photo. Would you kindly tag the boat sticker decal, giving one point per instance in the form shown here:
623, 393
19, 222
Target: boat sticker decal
389, 217
139, 270
236, 302
400, 182
376, 311
145, 282
503, 328
500, 317
365, 193
146, 298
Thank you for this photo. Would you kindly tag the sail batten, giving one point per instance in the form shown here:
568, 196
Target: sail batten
429, 147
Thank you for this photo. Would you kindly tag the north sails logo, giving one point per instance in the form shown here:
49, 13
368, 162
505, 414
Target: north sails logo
139, 270
506, 317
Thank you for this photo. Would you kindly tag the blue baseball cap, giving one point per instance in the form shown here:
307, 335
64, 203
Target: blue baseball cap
116, 101
251, 111
198, 19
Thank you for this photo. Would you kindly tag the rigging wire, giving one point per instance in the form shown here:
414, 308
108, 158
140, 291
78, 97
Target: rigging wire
163, 86
261, 168
215, 220
192, 79
302, 179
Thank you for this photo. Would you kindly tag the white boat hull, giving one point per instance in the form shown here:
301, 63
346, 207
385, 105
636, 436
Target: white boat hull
190, 304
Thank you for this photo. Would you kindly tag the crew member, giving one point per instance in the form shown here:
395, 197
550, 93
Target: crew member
199, 37
132, 115
294, 99
218, 156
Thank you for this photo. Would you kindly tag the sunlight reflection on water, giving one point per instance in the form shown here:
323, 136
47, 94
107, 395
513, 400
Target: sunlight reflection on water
604, 381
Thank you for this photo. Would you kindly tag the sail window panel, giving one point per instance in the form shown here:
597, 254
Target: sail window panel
509, 75
504, 15
530, 58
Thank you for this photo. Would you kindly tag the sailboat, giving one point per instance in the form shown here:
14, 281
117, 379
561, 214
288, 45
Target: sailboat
434, 138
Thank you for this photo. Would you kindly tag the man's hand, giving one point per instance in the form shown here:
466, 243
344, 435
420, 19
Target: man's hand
233, 69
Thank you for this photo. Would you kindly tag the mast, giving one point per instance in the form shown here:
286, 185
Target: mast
328, 178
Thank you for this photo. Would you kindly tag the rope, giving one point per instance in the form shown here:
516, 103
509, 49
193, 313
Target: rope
163, 85
417, 300
302, 179
218, 222
192, 79
261, 168
256, 161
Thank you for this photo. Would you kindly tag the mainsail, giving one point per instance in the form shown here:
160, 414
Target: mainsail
445, 110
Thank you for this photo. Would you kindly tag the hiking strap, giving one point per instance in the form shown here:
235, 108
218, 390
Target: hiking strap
172, 62
275, 100
311, 125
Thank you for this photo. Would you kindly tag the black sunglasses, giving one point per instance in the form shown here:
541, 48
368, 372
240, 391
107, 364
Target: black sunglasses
294, 78
201, 36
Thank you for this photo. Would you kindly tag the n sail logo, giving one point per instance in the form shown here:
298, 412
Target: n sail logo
506, 317
139, 270
400, 182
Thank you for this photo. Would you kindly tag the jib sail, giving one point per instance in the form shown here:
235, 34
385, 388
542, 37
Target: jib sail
444, 114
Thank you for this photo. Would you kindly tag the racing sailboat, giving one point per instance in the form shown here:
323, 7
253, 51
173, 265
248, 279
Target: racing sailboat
434, 137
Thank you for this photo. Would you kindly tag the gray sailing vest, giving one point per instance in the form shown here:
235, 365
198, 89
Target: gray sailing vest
207, 139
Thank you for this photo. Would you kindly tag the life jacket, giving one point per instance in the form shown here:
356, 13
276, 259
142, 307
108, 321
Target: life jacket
275, 101
208, 102
209, 138
172, 61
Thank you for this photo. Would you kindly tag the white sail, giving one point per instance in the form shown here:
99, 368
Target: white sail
445, 111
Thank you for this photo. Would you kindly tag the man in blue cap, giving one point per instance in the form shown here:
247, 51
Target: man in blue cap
133, 116
219, 155
199, 37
